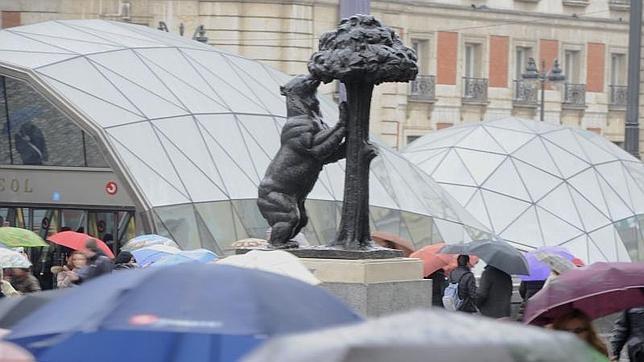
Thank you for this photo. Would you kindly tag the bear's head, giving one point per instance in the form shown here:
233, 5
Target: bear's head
301, 99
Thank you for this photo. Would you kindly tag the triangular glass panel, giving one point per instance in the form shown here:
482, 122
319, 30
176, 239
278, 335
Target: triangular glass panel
218, 219
535, 154
476, 206
617, 208
508, 139
587, 185
579, 247
462, 194
505, 180
503, 210
427, 160
480, 164
180, 222
604, 244
560, 203
567, 164
115, 33
525, 230
269, 97
28, 60
555, 230
82, 75
452, 170
450, 231
592, 217
480, 140
565, 139
131, 67
74, 45
103, 113
189, 154
13, 41
231, 89
594, 153
441, 139
537, 182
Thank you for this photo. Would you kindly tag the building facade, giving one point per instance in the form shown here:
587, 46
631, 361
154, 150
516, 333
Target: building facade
471, 53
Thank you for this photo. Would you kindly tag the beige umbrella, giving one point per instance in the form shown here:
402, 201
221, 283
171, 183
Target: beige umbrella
10, 352
274, 261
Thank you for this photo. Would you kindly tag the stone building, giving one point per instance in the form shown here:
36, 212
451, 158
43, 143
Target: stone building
471, 52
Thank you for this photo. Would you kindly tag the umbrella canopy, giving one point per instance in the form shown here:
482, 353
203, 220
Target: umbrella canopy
76, 241
14, 309
13, 259
187, 256
539, 270
393, 241
597, 290
557, 264
499, 254
10, 352
432, 260
189, 312
275, 261
427, 336
15, 237
151, 254
147, 240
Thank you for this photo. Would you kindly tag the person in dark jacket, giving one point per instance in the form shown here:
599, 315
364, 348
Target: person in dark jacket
125, 260
466, 284
439, 283
629, 331
494, 294
526, 290
97, 263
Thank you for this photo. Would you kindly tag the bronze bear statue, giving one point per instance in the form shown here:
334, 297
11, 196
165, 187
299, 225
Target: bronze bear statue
307, 144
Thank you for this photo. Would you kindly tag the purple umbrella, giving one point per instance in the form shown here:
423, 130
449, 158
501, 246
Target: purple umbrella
598, 290
538, 269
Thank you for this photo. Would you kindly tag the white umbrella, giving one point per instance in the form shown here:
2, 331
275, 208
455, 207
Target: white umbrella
143, 241
13, 259
274, 261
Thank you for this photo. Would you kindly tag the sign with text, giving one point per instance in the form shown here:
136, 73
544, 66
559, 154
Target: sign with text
63, 186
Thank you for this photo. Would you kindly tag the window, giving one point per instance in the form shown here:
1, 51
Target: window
34, 132
618, 69
472, 60
572, 66
521, 57
411, 139
421, 47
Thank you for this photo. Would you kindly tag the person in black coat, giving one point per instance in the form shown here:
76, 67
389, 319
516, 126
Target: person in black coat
494, 294
526, 290
439, 283
466, 284
629, 330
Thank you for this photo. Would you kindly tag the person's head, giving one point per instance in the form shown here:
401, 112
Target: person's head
91, 248
463, 260
124, 257
578, 323
76, 260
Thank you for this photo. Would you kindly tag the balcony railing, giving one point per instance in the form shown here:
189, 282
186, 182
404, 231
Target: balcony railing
474, 90
618, 96
526, 92
575, 95
423, 88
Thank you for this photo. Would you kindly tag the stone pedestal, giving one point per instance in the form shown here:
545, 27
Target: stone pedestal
374, 287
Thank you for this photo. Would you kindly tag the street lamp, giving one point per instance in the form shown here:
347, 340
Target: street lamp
554, 75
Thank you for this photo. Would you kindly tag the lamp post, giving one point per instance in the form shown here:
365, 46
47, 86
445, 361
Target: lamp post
553, 75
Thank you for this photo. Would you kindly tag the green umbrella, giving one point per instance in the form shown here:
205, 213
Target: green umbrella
15, 237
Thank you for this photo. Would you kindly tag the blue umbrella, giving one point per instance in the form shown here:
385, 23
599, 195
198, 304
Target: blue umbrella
186, 256
188, 312
146, 240
151, 254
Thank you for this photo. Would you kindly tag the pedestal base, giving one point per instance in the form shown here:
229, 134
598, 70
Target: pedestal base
374, 287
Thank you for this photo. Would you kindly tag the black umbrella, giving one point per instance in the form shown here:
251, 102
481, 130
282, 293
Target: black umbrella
498, 254
13, 309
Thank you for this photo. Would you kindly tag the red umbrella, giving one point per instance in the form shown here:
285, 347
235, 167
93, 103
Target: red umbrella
76, 241
392, 241
598, 290
432, 260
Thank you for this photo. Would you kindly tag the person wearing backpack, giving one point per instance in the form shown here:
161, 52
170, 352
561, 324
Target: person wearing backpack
460, 294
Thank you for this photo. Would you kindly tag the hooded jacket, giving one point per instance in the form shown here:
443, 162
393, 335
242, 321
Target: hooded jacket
466, 288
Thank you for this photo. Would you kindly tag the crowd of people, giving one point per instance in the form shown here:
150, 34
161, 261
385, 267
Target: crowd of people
80, 266
493, 298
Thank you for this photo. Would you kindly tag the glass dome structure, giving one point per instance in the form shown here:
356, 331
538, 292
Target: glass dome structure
191, 129
535, 183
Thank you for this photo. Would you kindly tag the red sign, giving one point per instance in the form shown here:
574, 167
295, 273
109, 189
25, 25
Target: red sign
111, 188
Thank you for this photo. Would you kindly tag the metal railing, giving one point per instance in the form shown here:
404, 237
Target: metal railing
526, 92
423, 88
618, 96
474, 90
575, 95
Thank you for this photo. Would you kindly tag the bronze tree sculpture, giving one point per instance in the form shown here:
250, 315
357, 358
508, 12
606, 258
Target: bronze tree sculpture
361, 53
